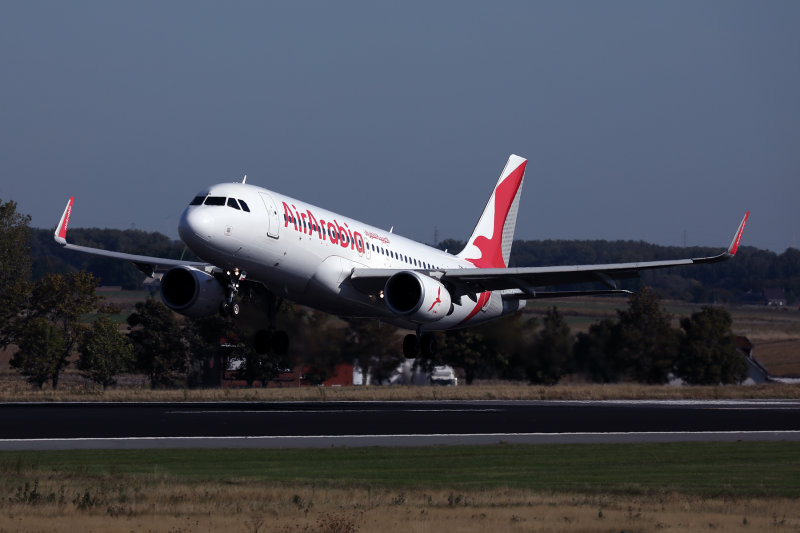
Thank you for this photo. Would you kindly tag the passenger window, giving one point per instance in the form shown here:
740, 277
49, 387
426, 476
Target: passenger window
244, 206
198, 200
233, 203
215, 200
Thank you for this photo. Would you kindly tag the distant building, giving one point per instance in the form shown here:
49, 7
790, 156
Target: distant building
756, 372
773, 297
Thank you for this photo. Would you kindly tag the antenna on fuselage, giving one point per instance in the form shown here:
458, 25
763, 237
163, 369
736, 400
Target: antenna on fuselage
244, 179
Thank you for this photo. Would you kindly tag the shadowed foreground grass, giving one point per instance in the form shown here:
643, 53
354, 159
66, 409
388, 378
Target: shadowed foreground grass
678, 486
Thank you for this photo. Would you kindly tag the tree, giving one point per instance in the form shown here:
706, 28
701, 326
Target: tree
104, 352
323, 346
15, 256
551, 352
40, 349
510, 339
15, 268
648, 344
61, 300
374, 345
708, 353
467, 349
158, 344
204, 337
595, 352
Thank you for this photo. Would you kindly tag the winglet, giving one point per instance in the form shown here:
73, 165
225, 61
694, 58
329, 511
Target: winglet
738, 237
61, 230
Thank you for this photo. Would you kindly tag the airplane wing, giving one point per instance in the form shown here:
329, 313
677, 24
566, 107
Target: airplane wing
148, 265
522, 282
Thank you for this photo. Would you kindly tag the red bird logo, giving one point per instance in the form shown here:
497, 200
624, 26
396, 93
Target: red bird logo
438, 299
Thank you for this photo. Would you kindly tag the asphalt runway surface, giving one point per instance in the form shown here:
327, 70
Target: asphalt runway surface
49, 426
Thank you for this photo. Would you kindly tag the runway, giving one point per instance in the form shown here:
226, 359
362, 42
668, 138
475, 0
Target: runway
48, 426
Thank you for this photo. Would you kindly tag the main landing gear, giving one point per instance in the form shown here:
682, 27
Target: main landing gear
419, 344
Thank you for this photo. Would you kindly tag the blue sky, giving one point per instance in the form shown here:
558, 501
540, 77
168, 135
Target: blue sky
655, 121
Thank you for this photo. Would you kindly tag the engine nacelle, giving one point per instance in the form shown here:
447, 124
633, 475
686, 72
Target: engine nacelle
191, 292
418, 297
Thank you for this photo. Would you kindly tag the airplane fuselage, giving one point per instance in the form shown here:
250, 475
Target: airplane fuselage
306, 254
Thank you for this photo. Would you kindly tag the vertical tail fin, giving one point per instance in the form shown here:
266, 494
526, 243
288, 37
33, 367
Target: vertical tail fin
489, 246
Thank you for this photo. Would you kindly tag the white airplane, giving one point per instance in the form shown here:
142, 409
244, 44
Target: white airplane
258, 242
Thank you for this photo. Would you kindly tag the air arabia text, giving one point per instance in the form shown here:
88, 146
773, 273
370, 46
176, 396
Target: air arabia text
336, 233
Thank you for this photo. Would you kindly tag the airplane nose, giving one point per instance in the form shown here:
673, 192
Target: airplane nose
196, 223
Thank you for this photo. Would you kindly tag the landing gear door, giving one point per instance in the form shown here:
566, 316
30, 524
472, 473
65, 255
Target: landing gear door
272, 215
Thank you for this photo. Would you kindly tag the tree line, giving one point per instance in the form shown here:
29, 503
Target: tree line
44, 315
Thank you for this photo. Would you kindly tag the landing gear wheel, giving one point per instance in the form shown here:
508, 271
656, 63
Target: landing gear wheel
410, 346
229, 309
428, 345
280, 343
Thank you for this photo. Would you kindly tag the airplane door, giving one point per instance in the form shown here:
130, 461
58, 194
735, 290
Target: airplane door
272, 215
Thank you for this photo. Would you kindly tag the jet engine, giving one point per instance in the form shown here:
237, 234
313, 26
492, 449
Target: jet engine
417, 297
191, 292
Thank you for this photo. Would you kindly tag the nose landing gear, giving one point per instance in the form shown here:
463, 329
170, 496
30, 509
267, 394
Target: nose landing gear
229, 307
265, 340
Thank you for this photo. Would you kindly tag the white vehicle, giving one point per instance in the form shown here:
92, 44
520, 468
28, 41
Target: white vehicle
443, 375
254, 240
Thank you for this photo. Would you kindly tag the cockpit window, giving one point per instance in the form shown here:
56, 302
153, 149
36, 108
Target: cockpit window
233, 203
244, 206
215, 200
198, 200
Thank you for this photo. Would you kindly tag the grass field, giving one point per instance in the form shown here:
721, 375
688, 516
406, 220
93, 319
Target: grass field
680, 487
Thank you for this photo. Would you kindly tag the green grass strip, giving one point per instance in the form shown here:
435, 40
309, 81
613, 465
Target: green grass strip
770, 469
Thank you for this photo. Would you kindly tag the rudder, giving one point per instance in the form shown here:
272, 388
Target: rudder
489, 246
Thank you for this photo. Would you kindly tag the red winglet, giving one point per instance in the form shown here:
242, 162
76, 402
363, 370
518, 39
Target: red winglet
63, 224
735, 243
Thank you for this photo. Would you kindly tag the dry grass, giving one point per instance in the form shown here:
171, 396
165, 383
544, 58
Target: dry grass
15, 389
150, 504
